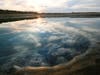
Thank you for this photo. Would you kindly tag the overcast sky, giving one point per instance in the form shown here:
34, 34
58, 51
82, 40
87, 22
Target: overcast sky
51, 5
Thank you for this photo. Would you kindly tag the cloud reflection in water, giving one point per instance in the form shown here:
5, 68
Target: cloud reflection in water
44, 42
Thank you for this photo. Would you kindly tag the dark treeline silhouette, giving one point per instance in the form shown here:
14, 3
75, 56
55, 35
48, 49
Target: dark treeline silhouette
16, 12
12, 15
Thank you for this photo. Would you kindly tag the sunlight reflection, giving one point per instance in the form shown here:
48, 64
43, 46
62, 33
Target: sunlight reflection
40, 25
41, 41
30, 26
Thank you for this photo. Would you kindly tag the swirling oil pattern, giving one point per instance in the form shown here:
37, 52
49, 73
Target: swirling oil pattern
46, 41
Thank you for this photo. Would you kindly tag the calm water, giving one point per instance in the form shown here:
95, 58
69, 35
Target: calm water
47, 41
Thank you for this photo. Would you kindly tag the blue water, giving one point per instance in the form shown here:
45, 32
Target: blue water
46, 41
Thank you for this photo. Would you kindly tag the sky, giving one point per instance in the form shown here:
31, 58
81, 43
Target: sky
51, 5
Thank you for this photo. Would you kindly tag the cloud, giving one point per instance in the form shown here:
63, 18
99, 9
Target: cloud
86, 5
51, 5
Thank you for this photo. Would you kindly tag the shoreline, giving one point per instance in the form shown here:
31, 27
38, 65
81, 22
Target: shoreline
10, 15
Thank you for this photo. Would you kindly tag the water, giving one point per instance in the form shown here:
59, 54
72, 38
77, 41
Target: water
46, 41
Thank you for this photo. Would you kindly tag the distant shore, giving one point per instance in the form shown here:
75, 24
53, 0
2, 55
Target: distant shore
9, 15
72, 14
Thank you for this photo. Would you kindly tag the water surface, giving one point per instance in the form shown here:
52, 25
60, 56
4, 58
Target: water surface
46, 41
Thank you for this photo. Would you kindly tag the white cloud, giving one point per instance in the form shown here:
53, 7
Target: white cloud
51, 5
86, 5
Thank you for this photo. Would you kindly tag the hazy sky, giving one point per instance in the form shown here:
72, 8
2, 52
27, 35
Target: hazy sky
51, 5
